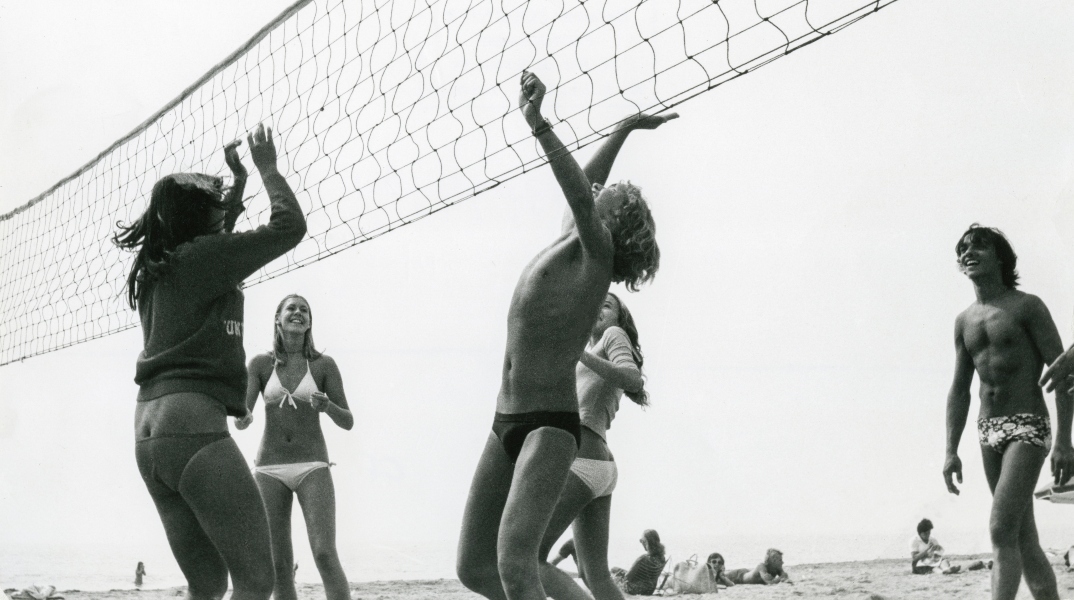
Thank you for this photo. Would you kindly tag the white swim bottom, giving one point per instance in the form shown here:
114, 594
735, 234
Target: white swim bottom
599, 476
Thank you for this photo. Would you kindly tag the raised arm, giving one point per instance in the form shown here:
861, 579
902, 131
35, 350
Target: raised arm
572, 180
958, 408
220, 262
233, 199
1045, 335
598, 167
332, 401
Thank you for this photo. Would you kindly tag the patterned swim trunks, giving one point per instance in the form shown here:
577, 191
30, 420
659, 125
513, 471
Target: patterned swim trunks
999, 432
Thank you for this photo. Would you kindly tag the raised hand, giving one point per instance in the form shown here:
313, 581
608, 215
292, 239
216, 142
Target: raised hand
231, 157
952, 468
644, 121
262, 148
530, 97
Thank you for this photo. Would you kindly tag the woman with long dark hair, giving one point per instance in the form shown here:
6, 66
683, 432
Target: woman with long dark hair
298, 384
609, 367
185, 284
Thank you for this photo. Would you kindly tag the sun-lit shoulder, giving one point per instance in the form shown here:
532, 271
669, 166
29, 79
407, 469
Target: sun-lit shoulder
260, 362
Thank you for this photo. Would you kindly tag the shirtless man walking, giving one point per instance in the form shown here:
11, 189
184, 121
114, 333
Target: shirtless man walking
1007, 336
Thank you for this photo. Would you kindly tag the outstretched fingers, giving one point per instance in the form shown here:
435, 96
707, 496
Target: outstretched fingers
1059, 371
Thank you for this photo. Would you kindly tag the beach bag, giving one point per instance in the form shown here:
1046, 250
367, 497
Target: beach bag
691, 577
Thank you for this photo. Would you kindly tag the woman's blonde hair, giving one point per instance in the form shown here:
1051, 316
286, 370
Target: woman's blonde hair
279, 353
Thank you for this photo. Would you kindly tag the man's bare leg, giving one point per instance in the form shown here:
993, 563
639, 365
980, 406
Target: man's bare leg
1012, 477
476, 561
540, 474
1036, 568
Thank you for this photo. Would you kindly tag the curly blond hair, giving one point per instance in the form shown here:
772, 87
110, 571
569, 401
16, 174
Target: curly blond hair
637, 256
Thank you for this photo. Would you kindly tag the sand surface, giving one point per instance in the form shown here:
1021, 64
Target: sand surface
872, 580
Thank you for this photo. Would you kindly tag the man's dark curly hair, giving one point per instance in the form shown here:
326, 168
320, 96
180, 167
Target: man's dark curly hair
991, 236
637, 256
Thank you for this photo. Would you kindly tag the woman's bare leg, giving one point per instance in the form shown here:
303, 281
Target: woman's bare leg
279, 500
317, 496
557, 584
221, 493
591, 542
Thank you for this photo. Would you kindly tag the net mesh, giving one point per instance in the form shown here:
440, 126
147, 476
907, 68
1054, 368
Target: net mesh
385, 111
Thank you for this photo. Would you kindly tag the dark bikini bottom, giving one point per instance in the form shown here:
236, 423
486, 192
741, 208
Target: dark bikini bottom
512, 429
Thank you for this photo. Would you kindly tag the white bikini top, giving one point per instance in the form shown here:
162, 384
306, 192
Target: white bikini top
275, 392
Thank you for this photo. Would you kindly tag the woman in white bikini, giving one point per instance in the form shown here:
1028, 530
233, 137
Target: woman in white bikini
610, 365
298, 384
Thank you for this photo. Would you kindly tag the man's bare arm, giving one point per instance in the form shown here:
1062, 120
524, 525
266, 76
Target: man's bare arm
958, 408
600, 166
569, 175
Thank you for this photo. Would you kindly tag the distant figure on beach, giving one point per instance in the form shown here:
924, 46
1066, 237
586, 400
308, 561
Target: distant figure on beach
610, 365
608, 235
567, 550
139, 572
1007, 336
688, 577
769, 572
644, 574
299, 384
926, 553
718, 569
185, 282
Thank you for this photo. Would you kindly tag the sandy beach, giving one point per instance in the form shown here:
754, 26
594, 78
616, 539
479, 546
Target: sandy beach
871, 580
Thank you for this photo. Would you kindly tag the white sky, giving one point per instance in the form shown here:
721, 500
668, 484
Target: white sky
798, 336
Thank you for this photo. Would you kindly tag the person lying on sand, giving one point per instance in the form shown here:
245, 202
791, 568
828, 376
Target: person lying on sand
718, 569
768, 572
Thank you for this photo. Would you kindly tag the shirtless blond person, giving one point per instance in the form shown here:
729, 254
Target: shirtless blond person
1007, 336
608, 235
769, 572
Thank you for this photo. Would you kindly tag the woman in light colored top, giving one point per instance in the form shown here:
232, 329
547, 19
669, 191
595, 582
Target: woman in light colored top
298, 384
610, 365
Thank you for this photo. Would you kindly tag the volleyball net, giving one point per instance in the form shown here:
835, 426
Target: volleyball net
384, 111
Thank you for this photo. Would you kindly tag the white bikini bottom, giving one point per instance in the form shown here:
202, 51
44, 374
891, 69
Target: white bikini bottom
291, 474
598, 475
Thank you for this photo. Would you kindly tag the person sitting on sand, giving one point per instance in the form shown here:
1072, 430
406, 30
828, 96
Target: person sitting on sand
768, 572
926, 554
643, 576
